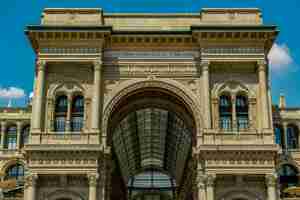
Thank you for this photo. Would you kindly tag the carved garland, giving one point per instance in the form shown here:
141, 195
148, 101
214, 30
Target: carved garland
168, 84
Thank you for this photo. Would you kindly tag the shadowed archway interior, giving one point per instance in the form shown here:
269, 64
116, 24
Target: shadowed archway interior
152, 140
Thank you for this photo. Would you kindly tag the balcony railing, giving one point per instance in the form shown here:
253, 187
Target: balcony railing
229, 126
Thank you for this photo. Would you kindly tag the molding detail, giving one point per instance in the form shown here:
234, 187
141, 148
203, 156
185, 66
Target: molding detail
93, 179
271, 180
210, 180
30, 180
175, 87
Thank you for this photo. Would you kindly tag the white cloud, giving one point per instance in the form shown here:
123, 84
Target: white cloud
280, 57
31, 95
12, 93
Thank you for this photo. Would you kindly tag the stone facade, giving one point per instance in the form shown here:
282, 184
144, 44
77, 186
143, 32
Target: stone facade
208, 69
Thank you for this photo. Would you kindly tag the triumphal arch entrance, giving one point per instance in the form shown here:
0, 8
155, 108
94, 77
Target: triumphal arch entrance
151, 107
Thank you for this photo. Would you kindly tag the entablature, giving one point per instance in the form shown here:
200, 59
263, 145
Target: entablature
236, 159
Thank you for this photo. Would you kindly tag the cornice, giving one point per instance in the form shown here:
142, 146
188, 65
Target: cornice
244, 147
64, 147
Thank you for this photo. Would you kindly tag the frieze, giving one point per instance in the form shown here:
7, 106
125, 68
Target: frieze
142, 70
151, 54
233, 50
66, 51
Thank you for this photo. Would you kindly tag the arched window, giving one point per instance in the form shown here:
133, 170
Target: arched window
11, 137
241, 108
292, 137
77, 113
15, 172
288, 176
61, 109
25, 135
225, 109
279, 136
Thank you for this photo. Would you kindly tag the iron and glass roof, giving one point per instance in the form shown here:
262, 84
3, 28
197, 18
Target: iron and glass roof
152, 138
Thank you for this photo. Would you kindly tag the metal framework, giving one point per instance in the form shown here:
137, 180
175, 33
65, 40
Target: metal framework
152, 143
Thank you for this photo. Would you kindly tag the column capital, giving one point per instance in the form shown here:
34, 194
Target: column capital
205, 65
210, 180
3, 124
201, 180
262, 65
69, 97
271, 180
97, 65
40, 65
30, 180
92, 178
19, 124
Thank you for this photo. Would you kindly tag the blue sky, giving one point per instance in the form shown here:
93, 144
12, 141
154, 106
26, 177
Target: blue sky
17, 57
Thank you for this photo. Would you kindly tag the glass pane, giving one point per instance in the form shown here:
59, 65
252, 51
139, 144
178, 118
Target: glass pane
61, 104
15, 172
11, 138
292, 137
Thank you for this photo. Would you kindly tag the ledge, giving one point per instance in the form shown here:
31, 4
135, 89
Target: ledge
64, 147
262, 147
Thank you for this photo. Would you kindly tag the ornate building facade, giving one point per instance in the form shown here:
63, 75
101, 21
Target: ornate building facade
150, 107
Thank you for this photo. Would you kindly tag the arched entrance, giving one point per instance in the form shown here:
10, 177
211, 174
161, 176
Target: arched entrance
151, 134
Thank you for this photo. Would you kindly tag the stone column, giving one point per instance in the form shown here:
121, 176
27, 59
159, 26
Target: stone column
252, 113
19, 134
285, 137
69, 112
215, 113
210, 187
30, 187
234, 120
92, 186
263, 92
96, 96
206, 93
271, 186
3, 133
87, 102
37, 106
298, 126
51, 114
201, 179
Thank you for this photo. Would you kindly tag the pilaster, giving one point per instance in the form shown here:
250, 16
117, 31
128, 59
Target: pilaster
263, 91
96, 96
3, 134
210, 189
201, 181
30, 187
93, 178
19, 134
271, 182
206, 93
36, 119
